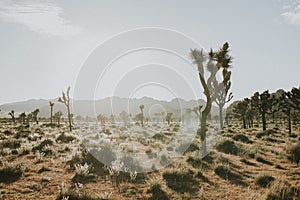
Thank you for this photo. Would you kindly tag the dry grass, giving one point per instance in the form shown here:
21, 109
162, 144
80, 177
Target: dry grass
245, 164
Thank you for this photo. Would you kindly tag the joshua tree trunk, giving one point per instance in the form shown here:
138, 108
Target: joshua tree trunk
244, 122
264, 123
204, 115
289, 120
51, 114
70, 118
221, 116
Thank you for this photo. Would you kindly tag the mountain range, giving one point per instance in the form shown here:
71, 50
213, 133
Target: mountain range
105, 106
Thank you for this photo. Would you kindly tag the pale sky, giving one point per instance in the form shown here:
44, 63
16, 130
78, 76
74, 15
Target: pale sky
44, 45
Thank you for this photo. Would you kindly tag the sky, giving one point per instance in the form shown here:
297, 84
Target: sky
45, 46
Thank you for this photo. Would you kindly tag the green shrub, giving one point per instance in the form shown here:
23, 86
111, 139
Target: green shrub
195, 162
9, 174
294, 153
227, 146
65, 138
41, 146
281, 189
265, 133
157, 193
264, 180
11, 144
262, 160
242, 138
224, 172
181, 182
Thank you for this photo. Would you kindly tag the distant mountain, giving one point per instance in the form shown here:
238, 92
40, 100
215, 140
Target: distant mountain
105, 106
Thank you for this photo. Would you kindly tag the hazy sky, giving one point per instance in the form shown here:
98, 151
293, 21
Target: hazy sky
45, 43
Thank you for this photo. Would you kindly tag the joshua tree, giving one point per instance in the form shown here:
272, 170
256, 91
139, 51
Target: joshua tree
262, 103
102, 119
22, 117
294, 95
199, 59
214, 64
28, 118
57, 116
220, 90
290, 101
12, 114
241, 110
169, 117
65, 99
51, 111
35, 115
142, 114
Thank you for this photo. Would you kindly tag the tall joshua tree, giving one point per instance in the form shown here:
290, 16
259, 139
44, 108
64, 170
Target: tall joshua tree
169, 117
290, 101
57, 117
12, 115
220, 90
142, 114
214, 64
65, 99
262, 103
294, 95
199, 59
35, 115
241, 110
22, 117
51, 104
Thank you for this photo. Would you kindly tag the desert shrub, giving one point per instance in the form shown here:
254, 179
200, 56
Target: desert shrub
294, 153
72, 194
41, 146
182, 181
248, 151
76, 159
194, 161
11, 144
22, 134
14, 152
9, 174
224, 172
273, 140
83, 178
281, 189
24, 151
98, 158
65, 138
157, 193
264, 180
247, 162
262, 160
265, 133
227, 146
202, 177
8, 132
44, 169
242, 138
